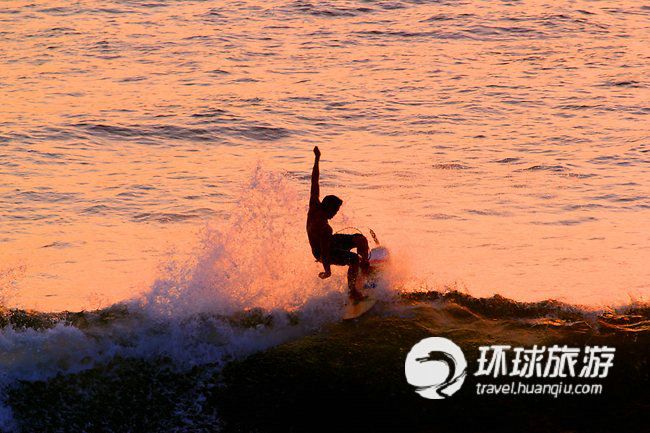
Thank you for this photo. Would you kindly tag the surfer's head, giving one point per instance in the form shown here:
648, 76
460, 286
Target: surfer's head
331, 205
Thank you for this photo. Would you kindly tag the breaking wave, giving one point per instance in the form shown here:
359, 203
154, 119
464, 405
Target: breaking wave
250, 286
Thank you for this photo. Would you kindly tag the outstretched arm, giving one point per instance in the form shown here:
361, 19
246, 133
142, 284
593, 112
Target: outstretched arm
315, 189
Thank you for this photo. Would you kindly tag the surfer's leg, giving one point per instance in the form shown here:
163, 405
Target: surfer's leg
361, 243
347, 242
353, 272
351, 260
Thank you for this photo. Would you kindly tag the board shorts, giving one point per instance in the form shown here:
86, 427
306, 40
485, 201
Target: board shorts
340, 253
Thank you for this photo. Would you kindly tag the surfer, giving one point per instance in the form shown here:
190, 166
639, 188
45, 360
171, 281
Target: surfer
333, 249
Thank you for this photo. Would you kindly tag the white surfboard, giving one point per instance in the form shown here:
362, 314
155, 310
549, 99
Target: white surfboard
356, 309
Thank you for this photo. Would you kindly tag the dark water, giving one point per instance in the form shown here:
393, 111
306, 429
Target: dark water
347, 366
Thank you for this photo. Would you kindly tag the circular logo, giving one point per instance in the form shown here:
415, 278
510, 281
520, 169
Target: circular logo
436, 367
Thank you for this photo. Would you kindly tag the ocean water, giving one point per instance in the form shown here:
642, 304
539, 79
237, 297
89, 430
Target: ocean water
155, 160
500, 146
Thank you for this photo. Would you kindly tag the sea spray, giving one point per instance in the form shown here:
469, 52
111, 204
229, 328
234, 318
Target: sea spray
251, 285
259, 259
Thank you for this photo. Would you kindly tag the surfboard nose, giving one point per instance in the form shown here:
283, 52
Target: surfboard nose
378, 256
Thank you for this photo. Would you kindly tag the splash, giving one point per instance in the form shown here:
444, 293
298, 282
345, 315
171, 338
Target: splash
251, 285
261, 258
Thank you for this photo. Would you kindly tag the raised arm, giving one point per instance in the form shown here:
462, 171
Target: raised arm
314, 197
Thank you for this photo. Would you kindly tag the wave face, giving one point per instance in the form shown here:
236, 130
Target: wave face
142, 368
359, 367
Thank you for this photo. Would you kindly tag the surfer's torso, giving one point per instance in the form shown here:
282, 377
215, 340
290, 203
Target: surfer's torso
317, 228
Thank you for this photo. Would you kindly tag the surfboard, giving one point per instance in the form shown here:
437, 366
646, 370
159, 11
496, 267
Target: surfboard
354, 310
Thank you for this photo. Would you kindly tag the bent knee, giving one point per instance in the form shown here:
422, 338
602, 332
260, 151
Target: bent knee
360, 239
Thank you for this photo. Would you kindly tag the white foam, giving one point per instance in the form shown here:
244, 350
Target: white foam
259, 259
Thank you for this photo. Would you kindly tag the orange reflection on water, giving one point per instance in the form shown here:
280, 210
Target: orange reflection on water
502, 146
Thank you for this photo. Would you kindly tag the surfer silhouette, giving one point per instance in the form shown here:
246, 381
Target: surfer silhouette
333, 249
